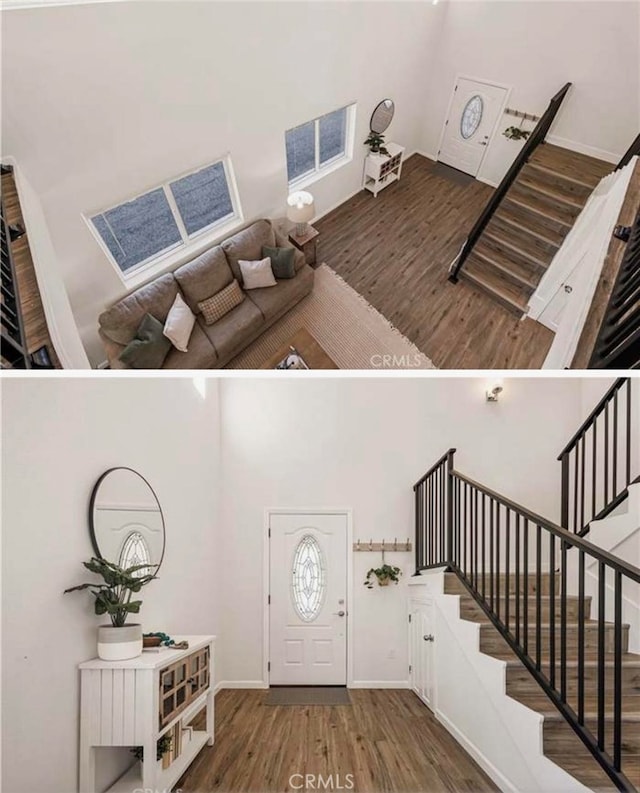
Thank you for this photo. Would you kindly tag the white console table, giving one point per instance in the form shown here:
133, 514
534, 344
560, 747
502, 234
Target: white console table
381, 170
134, 703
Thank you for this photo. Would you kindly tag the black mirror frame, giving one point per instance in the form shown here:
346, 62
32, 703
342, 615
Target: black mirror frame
92, 501
374, 112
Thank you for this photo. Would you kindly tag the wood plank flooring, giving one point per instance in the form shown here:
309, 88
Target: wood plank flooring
395, 250
35, 323
387, 739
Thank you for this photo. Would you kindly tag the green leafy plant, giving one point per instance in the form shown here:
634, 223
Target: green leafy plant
384, 574
375, 142
515, 133
113, 597
162, 747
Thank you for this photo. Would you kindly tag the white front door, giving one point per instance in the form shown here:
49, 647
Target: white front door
472, 119
308, 599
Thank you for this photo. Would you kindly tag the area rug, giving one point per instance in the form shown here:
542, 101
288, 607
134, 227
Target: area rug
452, 174
349, 329
303, 695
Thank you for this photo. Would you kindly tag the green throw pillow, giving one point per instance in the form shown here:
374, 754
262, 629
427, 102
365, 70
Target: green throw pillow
281, 261
149, 348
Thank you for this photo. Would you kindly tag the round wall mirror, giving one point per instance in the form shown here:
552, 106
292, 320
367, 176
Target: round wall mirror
382, 116
125, 520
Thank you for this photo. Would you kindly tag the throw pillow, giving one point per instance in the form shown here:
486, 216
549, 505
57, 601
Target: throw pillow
215, 307
179, 325
149, 348
281, 261
256, 275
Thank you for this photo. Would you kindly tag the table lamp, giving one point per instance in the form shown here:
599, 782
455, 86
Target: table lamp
300, 210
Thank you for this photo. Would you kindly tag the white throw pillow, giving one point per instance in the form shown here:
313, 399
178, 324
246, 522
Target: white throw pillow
256, 275
179, 324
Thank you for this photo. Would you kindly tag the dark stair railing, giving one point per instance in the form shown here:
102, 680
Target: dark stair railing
630, 154
617, 345
497, 547
601, 460
534, 140
13, 349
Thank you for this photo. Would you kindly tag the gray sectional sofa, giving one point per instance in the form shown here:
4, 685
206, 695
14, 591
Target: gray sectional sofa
210, 346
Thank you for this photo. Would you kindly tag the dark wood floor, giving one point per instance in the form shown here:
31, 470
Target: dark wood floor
387, 739
35, 323
395, 250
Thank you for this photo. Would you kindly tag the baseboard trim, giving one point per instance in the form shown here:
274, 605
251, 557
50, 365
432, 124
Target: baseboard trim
487, 766
490, 182
379, 684
582, 148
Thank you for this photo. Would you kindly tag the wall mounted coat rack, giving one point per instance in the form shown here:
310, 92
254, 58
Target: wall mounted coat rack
383, 546
519, 114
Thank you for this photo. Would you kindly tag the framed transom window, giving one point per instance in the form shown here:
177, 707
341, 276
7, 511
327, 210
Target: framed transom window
139, 233
319, 146
471, 117
308, 579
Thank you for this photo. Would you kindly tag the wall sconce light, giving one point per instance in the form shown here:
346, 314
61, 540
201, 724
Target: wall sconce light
494, 391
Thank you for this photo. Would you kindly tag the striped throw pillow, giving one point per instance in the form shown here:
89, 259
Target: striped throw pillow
215, 307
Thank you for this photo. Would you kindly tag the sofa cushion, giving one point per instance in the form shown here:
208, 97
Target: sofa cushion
277, 299
234, 331
200, 355
256, 275
298, 256
216, 306
149, 348
120, 322
247, 244
179, 324
282, 261
205, 276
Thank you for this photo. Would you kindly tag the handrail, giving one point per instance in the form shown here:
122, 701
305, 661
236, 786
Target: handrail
534, 140
629, 154
594, 414
497, 547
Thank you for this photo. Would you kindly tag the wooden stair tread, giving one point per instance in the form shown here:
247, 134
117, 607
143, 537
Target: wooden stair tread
507, 269
530, 204
548, 193
542, 704
498, 237
629, 660
503, 215
545, 170
511, 297
541, 227
572, 163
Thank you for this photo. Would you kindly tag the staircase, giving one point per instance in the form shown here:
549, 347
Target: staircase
529, 225
561, 744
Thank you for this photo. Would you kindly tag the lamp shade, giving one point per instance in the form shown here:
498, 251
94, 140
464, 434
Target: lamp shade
300, 207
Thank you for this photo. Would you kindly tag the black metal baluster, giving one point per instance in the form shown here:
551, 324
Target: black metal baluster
614, 462
497, 560
606, 454
601, 641
577, 526
416, 498
430, 521
517, 538
443, 552
475, 539
552, 610
629, 429
525, 565
507, 542
617, 673
581, 628
491, 504
538, 595
582, 476
594, 469
464, 529
563, 620
484, 558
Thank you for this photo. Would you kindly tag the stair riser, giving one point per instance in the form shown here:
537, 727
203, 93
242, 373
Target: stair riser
520, 681
479, 286
547, 179
492, 642
562, 212
545, 226
471, 611
454, 586
537, 247
534, 270
557, 736
515, 269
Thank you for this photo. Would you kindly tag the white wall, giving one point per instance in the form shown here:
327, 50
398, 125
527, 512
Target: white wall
536, 47
58, 437
359, 444
136, 93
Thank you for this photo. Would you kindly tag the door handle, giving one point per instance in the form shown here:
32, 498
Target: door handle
338, 613
429, 637
483, 143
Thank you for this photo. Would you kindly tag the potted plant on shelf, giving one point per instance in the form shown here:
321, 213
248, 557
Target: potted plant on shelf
375, 142
384, 574
117, 642
163, 745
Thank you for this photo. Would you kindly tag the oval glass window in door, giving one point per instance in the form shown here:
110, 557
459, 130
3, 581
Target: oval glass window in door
308, 581
471, 117
135, 551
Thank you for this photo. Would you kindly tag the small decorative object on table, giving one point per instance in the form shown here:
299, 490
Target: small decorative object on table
375, 142
117, 642
292, 361
158, 638
384, 574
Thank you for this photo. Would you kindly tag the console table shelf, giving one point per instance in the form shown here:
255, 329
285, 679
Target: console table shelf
381, 170
135, 702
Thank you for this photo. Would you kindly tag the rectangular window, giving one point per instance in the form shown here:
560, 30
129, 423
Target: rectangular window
138, 232
326, 142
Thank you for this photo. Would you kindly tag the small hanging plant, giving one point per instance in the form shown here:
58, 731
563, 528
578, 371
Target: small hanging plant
384, 574
515, 133
375, 142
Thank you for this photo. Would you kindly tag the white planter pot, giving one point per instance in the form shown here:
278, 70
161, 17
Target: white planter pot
119, 644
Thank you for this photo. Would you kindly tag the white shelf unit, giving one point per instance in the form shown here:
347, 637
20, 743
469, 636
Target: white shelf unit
381, 170
135, 702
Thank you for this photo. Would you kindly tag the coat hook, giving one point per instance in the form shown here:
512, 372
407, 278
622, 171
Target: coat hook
395, 543
358, 545
371, 544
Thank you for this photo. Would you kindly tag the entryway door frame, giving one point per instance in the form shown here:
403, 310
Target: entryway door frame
494, 84
347, 512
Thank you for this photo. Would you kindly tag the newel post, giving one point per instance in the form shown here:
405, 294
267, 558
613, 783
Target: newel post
450, 454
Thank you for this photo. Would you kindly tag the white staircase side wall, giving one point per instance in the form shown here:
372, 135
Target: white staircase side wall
619, 534
501, 734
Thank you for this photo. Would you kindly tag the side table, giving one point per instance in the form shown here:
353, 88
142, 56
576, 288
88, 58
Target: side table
307, 244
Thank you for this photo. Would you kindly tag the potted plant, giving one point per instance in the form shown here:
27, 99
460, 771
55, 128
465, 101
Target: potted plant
375, 142
117, 642
384, 574
163, 745
515, 133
